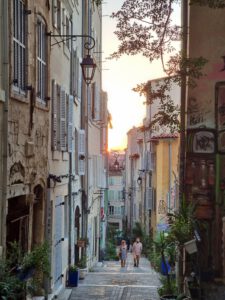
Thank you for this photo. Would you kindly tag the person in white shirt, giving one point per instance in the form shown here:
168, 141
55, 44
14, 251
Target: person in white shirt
137, 249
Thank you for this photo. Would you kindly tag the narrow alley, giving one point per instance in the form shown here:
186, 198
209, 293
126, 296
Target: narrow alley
111, 282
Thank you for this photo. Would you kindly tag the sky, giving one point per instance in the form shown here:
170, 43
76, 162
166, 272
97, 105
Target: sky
119, 77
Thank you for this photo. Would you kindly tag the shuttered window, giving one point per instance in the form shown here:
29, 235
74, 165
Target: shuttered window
70, 124
19, 45
54, 116
149, 198
81, 152
76, 75
95, 102
62, 120
41, 60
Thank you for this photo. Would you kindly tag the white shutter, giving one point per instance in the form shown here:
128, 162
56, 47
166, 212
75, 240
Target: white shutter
54, 13
81, 152
75, 73
70, 124
149, 198
63, 131
54, 116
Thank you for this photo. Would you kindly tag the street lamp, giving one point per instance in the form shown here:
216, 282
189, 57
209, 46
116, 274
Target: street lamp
139, 180
88, 66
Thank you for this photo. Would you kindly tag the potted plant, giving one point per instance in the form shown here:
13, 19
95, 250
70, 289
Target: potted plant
168, 289
73, 275
35, 265
82, 265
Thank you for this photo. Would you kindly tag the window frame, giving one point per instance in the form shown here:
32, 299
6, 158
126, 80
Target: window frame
42, 60
19, 40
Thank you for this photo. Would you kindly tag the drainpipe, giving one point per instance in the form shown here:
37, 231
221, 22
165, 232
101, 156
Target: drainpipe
84, 125
5, 68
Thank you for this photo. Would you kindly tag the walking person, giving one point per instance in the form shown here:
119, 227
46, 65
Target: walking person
123, 253
137, 249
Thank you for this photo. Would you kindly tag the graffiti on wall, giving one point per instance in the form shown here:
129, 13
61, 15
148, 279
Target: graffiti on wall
201, 141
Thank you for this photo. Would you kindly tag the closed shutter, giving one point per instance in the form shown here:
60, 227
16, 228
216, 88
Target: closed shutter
63, 131
73, 73
58, 239
70, 124
81, 152
58, 90
149, 198
54, 115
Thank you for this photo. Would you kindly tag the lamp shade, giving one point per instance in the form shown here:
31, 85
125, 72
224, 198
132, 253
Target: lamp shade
139, 180
88, 68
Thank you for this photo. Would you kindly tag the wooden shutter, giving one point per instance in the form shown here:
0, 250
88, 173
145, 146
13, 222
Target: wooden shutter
149, 198
70, 124
63, 129
54, 115
81, 152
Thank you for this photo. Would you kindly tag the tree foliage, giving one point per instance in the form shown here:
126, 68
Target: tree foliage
146, 27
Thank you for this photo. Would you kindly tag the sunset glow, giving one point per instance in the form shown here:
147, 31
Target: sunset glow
119, 77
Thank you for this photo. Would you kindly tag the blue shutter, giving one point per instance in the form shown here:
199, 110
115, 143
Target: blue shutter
58, 238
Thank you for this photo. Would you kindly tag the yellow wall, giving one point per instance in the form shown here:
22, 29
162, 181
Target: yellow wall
161, 175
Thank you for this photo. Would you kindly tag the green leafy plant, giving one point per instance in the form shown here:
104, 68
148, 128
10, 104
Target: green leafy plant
82, 263
10, 285
168, 287
73, 268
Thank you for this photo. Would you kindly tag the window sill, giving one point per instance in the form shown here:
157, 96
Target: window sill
17, 95
65, 156
41, 105
56, 155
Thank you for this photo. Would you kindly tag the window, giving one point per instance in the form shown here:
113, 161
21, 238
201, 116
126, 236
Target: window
111, 210
19, 45
41, 60
56, 14
67, 29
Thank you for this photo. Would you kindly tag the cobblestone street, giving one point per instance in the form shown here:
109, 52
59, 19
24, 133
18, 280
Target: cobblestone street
111, 282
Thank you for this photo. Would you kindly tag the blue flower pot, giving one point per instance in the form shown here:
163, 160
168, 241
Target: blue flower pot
73, 278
